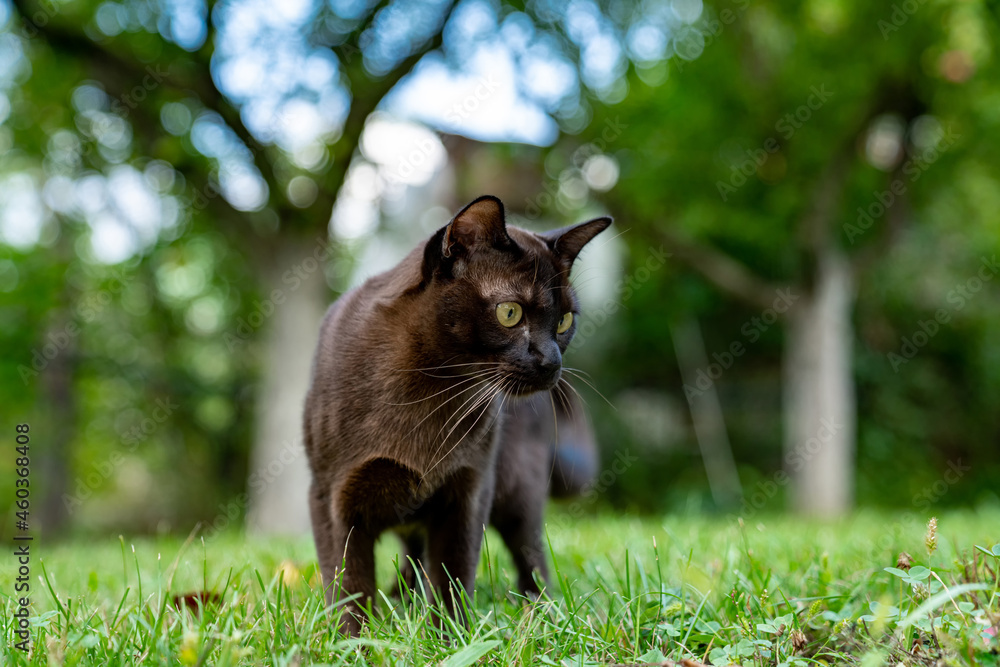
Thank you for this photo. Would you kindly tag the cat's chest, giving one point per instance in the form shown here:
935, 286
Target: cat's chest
453, 435
439, 437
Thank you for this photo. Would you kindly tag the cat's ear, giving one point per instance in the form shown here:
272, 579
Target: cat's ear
479, 225
566, 243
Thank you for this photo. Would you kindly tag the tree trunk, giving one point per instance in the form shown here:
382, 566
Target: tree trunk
819, 392
707, 416
279, 475
53, 442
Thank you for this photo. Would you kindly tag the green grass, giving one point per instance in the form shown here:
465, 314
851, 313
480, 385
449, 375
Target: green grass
773, 591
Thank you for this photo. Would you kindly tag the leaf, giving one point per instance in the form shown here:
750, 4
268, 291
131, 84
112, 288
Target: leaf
994, 552
767, 627
42, 621
469, 654
919, 572
884, 610
652, 656
896, 571
670, 629
745, 648
936, 601
718, 656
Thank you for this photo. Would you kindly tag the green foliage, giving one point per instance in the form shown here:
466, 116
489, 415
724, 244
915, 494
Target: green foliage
706, 154
711, 154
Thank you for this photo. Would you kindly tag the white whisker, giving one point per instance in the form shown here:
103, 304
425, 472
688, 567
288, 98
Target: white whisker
577, 375
472, 377
498, 391
475, 399
475, 388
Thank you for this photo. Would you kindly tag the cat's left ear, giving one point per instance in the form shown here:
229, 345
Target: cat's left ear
480, 224
566, 243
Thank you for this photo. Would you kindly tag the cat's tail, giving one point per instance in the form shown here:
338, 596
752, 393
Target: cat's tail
574, 458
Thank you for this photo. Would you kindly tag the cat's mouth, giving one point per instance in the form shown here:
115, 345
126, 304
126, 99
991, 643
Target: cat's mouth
525, 384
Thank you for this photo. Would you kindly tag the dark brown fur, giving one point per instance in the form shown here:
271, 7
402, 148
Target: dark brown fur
425, 414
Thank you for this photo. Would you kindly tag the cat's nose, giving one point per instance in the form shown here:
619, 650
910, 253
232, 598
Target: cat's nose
548, 358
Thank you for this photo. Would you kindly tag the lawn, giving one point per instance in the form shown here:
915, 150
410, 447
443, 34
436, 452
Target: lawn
769, 591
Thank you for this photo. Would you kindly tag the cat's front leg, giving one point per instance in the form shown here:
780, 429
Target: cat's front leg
349, 562
455, 537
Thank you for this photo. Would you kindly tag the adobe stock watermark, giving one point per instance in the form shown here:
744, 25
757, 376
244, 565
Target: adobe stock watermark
100, 472
913, 522
261, 478
959, 297
795, 461
593, 490
405, 510
901, 13
611, 131
912, 169
470, 103
752, 330
693, 42
293, 278
201, 199
130, 99
87, 310
621, 463
45, 11
786, 127
408, 164
626, 287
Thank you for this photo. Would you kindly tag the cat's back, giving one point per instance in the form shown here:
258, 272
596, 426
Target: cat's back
359, 340
358, 327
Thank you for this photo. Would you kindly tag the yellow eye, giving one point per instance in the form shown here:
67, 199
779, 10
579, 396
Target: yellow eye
565, 323
509, 313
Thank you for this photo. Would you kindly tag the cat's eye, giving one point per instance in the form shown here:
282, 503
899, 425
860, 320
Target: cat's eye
509, 313
565, 323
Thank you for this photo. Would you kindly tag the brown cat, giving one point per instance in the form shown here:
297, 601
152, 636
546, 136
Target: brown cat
425, 414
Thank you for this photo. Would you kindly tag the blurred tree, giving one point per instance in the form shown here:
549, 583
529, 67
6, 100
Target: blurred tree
146, 83
754, 142
780, 156
137, 56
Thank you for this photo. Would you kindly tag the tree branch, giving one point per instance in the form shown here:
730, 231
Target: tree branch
367, 93
196, 79
726, 273
815, 225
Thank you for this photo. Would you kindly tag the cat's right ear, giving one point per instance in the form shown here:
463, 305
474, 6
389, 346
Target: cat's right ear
481, 224
567, 242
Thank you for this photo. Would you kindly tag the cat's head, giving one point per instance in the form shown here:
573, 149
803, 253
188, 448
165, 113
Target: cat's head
502, 294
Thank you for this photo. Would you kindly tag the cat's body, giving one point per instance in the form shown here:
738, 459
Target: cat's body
547, 448
409, 423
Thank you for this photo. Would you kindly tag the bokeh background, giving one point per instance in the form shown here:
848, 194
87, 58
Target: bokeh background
797, 308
